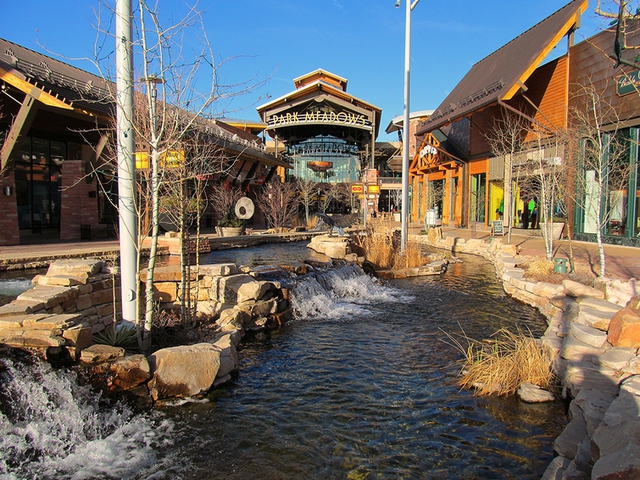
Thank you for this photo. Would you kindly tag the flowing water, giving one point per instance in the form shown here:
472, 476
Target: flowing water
359, 385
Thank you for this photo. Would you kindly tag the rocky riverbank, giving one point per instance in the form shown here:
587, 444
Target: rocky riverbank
594, 337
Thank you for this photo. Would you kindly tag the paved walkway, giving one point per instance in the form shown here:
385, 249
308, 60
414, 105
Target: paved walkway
622, 262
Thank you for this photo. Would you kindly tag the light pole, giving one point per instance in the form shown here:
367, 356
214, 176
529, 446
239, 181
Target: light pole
405, 127
126, 162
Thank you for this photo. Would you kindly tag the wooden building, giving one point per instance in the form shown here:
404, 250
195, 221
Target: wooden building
464, 173
58, 178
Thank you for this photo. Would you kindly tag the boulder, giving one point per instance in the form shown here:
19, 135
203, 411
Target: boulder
234, 318
228, 355
183, 371
100, 353
254, 291
572, 436
121, 375
531, 393
556, 468
75, 267
576, 290
225, 289
333, 247
624, 328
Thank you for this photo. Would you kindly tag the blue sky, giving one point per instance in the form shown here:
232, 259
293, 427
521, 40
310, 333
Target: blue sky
279, 40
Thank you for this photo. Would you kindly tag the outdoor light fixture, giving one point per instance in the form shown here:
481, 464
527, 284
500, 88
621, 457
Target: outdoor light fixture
398, 3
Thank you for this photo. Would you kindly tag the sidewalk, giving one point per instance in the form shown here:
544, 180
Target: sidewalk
622, 262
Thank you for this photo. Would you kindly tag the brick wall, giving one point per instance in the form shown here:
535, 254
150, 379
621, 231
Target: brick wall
77, 208
10, 233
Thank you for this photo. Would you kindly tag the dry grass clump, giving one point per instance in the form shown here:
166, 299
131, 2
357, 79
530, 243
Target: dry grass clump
381, 247
539, 269
500, 365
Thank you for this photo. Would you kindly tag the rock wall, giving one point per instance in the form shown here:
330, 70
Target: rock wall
76, 298
597, 365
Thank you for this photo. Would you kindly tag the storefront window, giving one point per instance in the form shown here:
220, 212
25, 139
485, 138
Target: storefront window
38, 180
478, 197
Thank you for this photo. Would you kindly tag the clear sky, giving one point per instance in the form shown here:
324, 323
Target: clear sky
279, 40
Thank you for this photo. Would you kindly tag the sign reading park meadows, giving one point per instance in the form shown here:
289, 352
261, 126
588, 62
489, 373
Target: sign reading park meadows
342, 118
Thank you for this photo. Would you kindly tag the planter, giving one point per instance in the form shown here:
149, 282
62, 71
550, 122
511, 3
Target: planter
556, 230
230, 231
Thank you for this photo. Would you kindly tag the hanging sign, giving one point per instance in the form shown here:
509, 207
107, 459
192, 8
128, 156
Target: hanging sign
628, 83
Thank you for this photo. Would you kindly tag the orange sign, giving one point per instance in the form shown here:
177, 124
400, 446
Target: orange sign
357, 188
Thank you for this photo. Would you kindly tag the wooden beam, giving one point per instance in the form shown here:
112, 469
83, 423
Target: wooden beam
20, 125
250, 174
26, 88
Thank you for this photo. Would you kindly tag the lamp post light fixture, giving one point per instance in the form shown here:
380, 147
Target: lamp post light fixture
405, 126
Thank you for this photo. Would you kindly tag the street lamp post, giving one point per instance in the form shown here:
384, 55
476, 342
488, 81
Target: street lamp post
405, 127
126, 161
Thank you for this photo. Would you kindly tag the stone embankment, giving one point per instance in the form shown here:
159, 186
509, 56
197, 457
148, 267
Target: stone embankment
593, 336
76, 299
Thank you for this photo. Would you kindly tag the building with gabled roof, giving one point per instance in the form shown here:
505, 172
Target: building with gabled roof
459, 173
58, 179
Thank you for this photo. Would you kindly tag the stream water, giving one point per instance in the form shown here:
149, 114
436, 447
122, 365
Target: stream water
360, 385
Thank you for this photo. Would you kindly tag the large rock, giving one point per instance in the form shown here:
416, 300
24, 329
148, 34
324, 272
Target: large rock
572, 436
254, 291
183, 371
225, 289
228, 357
531, 393
122, 374
100, 353
576, 290
75, 267
624, 328
334, 247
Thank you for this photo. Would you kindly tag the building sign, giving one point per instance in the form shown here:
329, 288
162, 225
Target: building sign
318, 117
628, 83
373, 188
357, 188
168, 159
142, 160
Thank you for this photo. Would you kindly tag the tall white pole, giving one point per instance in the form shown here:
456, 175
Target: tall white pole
406, 127
126, 161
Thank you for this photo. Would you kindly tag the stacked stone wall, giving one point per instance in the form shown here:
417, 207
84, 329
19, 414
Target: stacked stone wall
601, 380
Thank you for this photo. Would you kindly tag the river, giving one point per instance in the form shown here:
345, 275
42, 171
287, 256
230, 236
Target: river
362, 384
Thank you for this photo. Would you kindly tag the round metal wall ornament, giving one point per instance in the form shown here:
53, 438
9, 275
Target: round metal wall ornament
244, 208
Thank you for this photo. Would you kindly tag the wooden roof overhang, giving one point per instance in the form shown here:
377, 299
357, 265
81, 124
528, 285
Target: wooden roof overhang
431, 157
501, 75
285, 116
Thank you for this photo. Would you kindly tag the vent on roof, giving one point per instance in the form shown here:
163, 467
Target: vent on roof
9, 53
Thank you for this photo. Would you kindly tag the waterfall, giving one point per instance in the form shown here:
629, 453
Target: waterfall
52, 427
339, 292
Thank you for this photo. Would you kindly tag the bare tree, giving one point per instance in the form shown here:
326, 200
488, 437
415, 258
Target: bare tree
306, 191
603, 169
278, 203
223, 199
506, 139
623, 15
179, 90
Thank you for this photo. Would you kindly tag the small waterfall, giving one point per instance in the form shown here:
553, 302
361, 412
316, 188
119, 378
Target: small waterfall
10, 288
51, 427
339, 292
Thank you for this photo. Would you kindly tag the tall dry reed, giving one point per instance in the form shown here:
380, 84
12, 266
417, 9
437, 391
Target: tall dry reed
383, 250
500, 365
